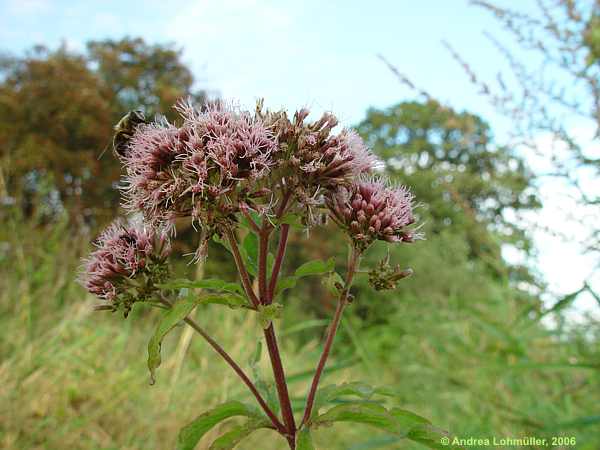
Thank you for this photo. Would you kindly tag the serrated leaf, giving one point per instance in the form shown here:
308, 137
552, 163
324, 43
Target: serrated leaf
229, 440
173, 316
399, 422
190, 435
268, 313
315, 267
304, 440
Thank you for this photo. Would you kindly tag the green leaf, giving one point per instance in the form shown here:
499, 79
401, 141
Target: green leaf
232, 300
286, 283
334, 392
398, 422
268, 313
229, 440
176, 314
304, 440
291, 219
215, 284
250, 250
430, 436
190, 435
365, 413
315, 267
270, 262
408, 419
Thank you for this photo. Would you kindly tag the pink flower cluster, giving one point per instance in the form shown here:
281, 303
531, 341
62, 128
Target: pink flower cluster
123, 253
312, 157
199, 170
370, 209
221, 161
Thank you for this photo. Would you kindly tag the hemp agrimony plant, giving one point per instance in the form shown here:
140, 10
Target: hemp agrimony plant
255, 174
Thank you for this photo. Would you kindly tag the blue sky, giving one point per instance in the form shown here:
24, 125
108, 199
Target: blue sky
315, 53
320, 54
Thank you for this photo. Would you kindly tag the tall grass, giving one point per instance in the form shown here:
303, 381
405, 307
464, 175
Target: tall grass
71, 378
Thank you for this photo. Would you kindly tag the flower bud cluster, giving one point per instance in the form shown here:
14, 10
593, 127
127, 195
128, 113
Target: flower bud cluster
371, 209
384, 277
313, 157
128, 260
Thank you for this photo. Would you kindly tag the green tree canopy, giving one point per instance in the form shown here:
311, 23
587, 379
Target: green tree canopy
466, 185
57, 108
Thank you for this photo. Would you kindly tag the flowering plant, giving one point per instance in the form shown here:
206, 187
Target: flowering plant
259, 172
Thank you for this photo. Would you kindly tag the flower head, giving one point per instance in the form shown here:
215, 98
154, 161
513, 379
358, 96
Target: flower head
203, 169
320, 157
124, 254
370, 209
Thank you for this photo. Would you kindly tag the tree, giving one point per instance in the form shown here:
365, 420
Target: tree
550, 90
465, 183
142, 76
57, 109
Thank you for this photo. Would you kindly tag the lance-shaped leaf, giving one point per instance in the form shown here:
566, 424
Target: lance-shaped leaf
214, 284
173, 316
399, 422
304, 440
365, 413
229, 440
334, 392
190, 435
179, 312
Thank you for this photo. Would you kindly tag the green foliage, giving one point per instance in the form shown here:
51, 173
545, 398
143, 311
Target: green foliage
465, 183
304, 440
172, 317
57, 109
191, 434
268, 313
432, 350
232, 438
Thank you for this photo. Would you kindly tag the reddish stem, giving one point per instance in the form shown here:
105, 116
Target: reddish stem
283, 237
352, 266
274, 420
271, 339
246, 283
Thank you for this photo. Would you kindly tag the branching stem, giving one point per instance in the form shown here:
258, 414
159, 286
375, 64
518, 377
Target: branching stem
333, 327
215, 345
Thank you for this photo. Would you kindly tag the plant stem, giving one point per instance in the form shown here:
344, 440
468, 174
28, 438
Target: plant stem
280, 381
333, 327
263, 250
241, 268
271, 339
283, 237
276, 423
